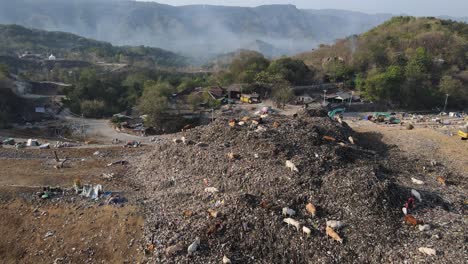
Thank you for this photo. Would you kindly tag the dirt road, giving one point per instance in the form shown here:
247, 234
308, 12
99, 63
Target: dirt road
97, 129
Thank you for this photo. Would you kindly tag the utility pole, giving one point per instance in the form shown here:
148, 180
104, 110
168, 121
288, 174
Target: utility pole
324, 96
351, 99
446, 100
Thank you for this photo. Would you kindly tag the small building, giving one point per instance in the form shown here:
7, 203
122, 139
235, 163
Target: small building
234, 91
305, 98
40, 109
52, 57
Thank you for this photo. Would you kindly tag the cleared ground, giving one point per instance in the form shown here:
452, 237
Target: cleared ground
81, 231
423, 142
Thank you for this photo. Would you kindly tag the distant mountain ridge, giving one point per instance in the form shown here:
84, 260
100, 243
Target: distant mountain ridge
16, 40
197, 30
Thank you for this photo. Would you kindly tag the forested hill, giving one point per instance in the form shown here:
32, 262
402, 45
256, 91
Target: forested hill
196, 30
16, 40
407, 61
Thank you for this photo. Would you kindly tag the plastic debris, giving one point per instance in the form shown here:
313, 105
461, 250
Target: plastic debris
311, 209
424, 227
416, 195
291, 166
411, 220
213, 213
49, 234
416, 181
292, 222
306, 231
45, 146
194, 246
329, 138
211, 190
288, 211
335, 224
427, 251
441, 180
351, 140
226, 260
174, 249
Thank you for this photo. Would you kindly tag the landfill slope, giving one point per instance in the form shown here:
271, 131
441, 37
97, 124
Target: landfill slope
228, 185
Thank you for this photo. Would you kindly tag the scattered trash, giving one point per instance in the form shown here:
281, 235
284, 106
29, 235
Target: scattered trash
213, 213
411, 220
276, 124
187, 213
133, 144
416, 181
424, 227
261, 129
49, 234
409, 126
233, 156
120, 162
335, 224
416, 195
427, 251
288, 211
351, 140
45, 146
232, 123
311, 209
91, 191
331, 233
291, 166
306, 231
9, 141
292, 222
226, 260
108, 176
211, 190
97, 153
201, 145
441, 180
329, 138
116, 199
32, 143
194, 246
174, 249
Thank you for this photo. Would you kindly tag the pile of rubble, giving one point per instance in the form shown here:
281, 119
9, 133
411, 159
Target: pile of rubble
275, 189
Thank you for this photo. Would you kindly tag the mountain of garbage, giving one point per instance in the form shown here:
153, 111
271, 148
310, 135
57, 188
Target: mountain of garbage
300, 189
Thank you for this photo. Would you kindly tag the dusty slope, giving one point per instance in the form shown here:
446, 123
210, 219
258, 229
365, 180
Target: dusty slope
364, 189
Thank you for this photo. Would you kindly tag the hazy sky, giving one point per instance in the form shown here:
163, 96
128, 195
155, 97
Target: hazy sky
410, 7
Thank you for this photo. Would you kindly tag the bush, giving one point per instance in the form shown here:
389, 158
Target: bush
93, 108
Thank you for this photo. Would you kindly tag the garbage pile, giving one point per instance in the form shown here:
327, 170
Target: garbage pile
275, 189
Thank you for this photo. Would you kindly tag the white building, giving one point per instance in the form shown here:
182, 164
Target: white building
52, 57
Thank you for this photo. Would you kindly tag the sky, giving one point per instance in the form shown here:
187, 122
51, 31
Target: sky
457, 8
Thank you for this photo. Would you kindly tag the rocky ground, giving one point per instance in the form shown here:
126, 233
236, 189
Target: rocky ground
221, 195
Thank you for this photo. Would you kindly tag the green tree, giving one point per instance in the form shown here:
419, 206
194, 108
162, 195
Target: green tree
194, 100
282, 93
292, 70
247, 65
457, 92
93, 108
154, 101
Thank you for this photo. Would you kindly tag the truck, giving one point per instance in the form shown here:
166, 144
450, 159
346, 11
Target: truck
250, 98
